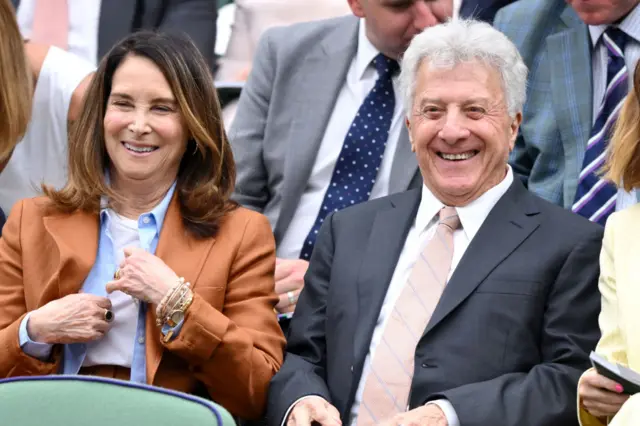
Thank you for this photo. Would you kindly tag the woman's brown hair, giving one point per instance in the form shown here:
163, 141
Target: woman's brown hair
207, 171
623, 162
15, 82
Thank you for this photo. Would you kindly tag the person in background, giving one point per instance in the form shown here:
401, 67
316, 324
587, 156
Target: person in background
15, 88
140, 267
601, 400
580, 53
254, 17
54, 96
89, 28
319, 125
424, 307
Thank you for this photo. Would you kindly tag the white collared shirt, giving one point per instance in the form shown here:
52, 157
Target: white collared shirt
631, 27
84, 19
361, 78
472, 216
116, 347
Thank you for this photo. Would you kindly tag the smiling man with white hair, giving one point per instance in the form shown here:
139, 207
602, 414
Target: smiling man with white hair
469, 301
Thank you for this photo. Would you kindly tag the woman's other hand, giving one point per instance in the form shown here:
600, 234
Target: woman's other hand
600, 396
75, 318
143, 276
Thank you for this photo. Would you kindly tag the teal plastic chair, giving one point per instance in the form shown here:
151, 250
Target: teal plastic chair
60, 400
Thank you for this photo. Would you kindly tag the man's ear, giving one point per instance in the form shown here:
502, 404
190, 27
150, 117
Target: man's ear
407, 123
515, 128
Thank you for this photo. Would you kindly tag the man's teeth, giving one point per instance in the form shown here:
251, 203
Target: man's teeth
454, 157
139, 149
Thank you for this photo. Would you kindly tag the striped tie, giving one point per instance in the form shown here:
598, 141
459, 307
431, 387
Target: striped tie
595, 197
386, 390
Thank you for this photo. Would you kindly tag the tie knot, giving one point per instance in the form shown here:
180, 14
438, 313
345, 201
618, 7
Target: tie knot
449, 217
385, 66
615, 39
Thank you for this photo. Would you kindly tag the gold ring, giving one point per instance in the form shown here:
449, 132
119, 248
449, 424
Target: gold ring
117, 274
108, 315
291, 297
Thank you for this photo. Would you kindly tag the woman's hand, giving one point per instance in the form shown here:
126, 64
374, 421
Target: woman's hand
76, 318
599, 395
143, 276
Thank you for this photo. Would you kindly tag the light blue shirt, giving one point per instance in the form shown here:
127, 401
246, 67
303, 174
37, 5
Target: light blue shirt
149, 227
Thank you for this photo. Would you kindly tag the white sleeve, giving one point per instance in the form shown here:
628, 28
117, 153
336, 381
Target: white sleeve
60, 75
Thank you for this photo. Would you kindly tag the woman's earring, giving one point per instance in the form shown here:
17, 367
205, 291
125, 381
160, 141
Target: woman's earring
195, 147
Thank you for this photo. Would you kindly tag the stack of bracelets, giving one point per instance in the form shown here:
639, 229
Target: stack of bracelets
174, 304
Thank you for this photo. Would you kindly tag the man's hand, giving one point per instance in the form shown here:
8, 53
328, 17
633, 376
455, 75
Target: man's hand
427, 415
289, 282
313, 409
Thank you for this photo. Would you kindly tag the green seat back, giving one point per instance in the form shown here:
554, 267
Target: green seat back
84, 400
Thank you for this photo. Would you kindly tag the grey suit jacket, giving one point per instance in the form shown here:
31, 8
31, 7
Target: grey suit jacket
508, 339
283, 111
555, 45
119, 18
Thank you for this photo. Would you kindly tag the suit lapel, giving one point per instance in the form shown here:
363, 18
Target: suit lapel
186, 256
510, 222
571, 88
116, 22
320, 78
76, 237
388, 235
404, 166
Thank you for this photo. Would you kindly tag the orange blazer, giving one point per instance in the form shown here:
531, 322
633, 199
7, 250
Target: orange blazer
230, 341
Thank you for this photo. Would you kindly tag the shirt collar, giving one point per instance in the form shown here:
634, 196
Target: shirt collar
472, 216
366, 52
158, 213
630, 25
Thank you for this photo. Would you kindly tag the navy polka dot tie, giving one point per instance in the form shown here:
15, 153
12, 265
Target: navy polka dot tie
359, 160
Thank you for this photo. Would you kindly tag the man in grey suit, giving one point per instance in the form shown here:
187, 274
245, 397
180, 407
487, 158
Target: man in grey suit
320, 114
568, 46
425, 307
115, 19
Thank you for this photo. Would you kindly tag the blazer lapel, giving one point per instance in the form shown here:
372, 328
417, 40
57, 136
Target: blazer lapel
510, 222
388, 235
76, 238
116, 22
320, 78
572, 91
404, 166
186, 256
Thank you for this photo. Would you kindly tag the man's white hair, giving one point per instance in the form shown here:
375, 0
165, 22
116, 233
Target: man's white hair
462, 40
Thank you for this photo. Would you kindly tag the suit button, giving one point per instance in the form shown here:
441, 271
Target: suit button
351, 368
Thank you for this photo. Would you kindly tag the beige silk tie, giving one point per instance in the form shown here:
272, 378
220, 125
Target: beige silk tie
51, 23
386, 390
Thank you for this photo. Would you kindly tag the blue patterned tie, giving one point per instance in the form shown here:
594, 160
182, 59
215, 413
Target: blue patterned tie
359, 160
595, 197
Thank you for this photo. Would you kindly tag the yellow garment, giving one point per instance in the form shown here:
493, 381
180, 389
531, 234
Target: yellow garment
620, 313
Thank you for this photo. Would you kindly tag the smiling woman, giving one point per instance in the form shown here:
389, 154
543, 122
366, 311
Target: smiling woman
117, 273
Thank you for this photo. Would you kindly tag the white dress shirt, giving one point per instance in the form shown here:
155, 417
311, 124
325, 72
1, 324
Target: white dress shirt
84, 18
631, 27
116, 347
361, 78
472, 216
